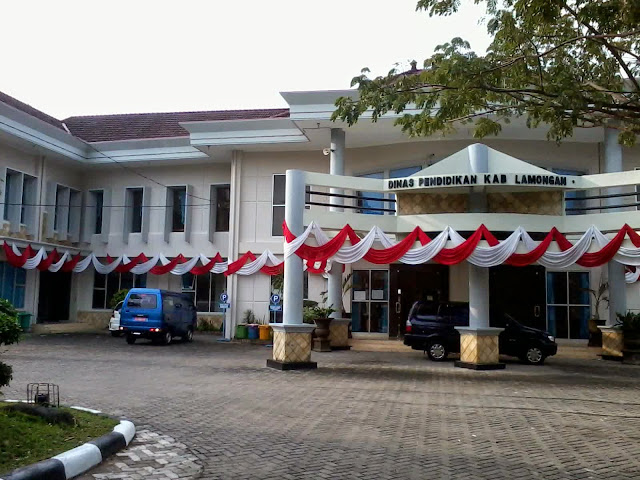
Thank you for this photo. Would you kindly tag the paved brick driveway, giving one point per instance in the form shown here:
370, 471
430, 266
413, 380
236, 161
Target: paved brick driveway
360, 415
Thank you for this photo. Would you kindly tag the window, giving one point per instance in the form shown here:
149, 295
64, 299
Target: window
134, 203
178, 202
10, 189
61, 201
105, 286
573, 201
568, 304
370, 203
29, 200
277, 217
223, 206
12, 284
370, 301
97, 200
204, 290
143, 301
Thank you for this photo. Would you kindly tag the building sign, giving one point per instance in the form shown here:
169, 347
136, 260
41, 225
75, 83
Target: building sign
482, 179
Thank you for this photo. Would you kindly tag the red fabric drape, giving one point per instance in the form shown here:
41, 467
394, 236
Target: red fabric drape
45, 263
323, 252
394, 253
69, 266
162, 269
452, 256
17, 260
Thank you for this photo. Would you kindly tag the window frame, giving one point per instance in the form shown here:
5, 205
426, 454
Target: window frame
94, 204
129, 206
567, 304
214, 202
277, 205
136, 284
193, 289
386, 197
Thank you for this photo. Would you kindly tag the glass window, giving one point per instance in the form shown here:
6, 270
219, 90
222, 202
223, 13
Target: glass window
223, 207
29, 199
179, 208
143, 301
401, 173
573, 201
8, 185
98, 201
556, 287
135, 204
58, 209
579, 288
12, 284
204, 290
105, 286
371, 202
277, 217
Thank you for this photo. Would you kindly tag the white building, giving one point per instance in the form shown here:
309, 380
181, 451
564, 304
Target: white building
202, 183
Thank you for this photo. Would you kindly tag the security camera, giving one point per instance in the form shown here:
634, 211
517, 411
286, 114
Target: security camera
326, 151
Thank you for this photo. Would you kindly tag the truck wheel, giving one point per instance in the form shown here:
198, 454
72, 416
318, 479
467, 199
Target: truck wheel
131, 339
533, 355
166, 339
188, 337
437, 351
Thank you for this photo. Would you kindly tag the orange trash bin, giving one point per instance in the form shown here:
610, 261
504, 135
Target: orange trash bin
264, 332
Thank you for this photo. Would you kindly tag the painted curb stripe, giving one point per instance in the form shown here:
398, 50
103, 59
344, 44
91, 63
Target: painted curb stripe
110, 443
50, 469
80, 459
127, 429
85, 409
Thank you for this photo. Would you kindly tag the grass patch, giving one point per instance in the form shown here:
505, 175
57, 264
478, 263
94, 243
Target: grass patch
26, 439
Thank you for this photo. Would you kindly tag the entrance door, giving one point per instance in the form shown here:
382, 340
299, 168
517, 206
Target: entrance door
520, 292
54, 297
410, 283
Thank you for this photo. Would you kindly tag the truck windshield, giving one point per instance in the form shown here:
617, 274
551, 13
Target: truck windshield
142, 301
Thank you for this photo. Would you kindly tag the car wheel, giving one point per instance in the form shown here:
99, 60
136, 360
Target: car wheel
533, 355
131, 339
188, 337
167, 338
437, 351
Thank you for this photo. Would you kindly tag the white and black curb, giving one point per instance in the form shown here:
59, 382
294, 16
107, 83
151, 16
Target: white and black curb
80, 459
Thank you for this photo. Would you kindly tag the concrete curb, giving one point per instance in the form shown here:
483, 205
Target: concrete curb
78, 460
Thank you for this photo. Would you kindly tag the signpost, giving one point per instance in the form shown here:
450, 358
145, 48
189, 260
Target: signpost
224, 306
275, 305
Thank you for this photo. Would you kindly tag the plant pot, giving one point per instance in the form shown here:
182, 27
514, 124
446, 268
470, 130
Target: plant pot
595, 334
632, 340
321, 341
253, 331
264, 331
242, 331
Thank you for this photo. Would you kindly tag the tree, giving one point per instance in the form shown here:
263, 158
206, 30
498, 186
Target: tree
9, 333
564, 63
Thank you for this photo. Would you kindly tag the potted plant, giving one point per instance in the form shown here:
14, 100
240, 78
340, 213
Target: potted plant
600, 296
320, 316
242, 330
630, 325
264, 330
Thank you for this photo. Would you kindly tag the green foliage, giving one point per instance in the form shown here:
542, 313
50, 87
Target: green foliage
600, 296
277, 283
249, 317
310, 314
564, 64
629, 322
27, 439
10, 333
118, 297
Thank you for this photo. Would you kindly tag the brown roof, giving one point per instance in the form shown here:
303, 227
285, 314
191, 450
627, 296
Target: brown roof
28, 109
104, 128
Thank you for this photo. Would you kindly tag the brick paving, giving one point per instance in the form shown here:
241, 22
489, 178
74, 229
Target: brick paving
382, 415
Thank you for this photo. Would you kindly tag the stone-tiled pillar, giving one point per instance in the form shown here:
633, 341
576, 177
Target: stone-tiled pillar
612, 343
479, 347
339, 334
292, 338
291, 347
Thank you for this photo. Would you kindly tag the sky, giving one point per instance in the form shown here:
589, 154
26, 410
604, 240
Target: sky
87, 57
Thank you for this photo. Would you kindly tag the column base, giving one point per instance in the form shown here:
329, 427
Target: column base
479, 348
339, 333
612, 343
291, 346
291, 365
480, 366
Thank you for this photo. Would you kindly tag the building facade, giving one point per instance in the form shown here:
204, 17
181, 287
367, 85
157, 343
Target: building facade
198, 184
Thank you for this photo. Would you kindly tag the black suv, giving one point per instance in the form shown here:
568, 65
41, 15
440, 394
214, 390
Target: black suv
431, 327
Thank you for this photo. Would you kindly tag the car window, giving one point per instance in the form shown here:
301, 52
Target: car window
142, 300
119, 306
167, 302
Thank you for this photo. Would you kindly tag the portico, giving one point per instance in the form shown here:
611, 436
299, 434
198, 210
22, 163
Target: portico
478, 190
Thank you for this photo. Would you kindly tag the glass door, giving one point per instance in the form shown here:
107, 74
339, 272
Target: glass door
568, 304
370, 301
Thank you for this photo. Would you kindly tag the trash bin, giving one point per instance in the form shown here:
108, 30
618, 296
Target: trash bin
24, 319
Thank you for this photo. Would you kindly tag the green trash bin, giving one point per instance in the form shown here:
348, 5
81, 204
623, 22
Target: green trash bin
24, 319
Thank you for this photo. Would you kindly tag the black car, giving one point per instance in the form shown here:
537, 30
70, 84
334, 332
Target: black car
431, 327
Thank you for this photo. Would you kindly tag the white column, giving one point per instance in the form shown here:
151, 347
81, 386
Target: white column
478, 297
293, 268
233, 314
336, 167
617, 284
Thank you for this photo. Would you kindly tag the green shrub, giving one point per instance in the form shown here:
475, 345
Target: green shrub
10, 333
118, 297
